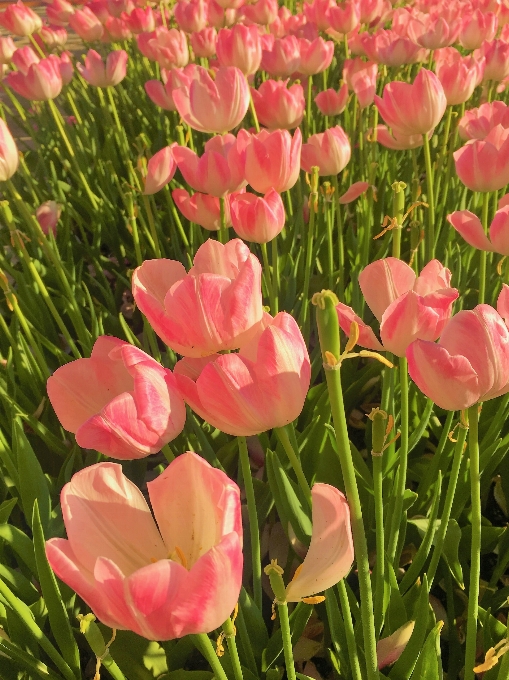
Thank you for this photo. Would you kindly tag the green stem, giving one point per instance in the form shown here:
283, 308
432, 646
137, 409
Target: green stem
275, 275
313, 197
379, 530
223, 232
282, 435
134, 227
253, 113
482, 253
152, 225
268, 278
230, 632
475, 546
284, 621
351, 645
341, 244
254, 531
202, 642
398, 211
308, 106
430, 240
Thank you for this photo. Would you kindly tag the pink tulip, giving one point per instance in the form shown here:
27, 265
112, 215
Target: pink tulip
317, 12
413, 109
332, 103
407, 307
63, 64
99, 74
160, 170
161, 93
278, 106
202, 209
360, 76
42, 81
469, 364
432, 32
191, 15
220, 170
220, 17
329, 150
59, 11
373, 11
262, 12
204, 42
476, 28
344, 17
119, 402
168, 47
389, 649
217, 306
20, 19
503, 303
85, 23
262, 387
142, 20
117, 7
47, 215
178, 577
258, 219
216, 105
315, 56
283, 59
483, 165
99, 8
51, 37
469, 226
396, 141
459, 75
387, 47
7, 49
9, 156
240, 46
23, 58
478, 123
496, 54
330, 555
273, 160
230, 4
116, 30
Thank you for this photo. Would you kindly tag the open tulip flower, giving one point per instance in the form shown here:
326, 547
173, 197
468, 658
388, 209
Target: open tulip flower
120, 401
483, 165
216, 306
469, 226
261, 387
407, 306
178, 577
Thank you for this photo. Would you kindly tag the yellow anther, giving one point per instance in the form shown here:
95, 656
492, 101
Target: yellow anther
315, 599
219, 645
182, 557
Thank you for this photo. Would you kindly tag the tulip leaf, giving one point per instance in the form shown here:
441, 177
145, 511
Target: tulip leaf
395, 614
182, 674
25, 661
429, 666
450, 551
59, 621
135, 656
298, 620
20, 543
6, 508
258, 636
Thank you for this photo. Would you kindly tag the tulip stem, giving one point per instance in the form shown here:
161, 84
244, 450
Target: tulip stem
380, 550
341, 244
254, 531
268, 278
284, 621
475, 546
253, 113
351, 644
275, 275
152, 225
202, 642
482, 253
430, 240
282, 435
223, 232
400, 481
449, 498
308, 108
398, 211
229, 633
313, 200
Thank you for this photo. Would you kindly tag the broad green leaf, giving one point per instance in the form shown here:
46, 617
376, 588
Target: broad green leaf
429, 664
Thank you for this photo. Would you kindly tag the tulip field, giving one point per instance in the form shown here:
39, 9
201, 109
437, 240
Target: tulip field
254, 340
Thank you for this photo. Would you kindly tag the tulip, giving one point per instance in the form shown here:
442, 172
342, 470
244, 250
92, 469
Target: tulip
142, 20
407, 307
344, 17
332, 103
373, 11
20, 19
432, 32
258, 219
459, 75
483, 165
204, 42
387, 47
42, 81
23, 58
396, 141
230, 4
262, 387
85, 23
476, 28
262, 12
160, 170
178, 577
360, 76
216, 306
220, 170
478, 123
116, 29
59, 11
220, 17
317, 12
99, 8
469, 226
413, 109
117, 7
161, 93
9, 156
191, 15
503, 303
496, 54
51, 37
119, 402
330, 555
283, 59
469, 364
216, 105
389, 649
98, 74
315, 56
168, 47
273, 160
240, 46
277, 106
48, 214
329, 150
7, 49
202, 209
63, 65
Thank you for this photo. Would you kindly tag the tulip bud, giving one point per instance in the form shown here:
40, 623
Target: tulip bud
9, 157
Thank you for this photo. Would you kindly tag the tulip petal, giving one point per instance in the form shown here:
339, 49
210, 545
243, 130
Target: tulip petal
353, 192
499, 231
433, 277
469, 226
383, 281
389, 649
503, 303
367, 338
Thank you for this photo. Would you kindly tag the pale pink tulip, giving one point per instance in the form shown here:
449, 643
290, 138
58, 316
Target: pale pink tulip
283, 59
469, 364
262, 12
119, 402
9, 156
396, 141
59, 11
496, 55
503, 303
116, 30
483, 165
42, 81
360, 76
373, 11
63, 65
20, 19
99, 74
191, 15
142, 20
278, 106
476, 28
219, 171
407, 307
469, 226
160, 170
317, 12
202, 209
216, 306
230, 4
117, 7
7, 49
344, 17
432, 32
219, 16
240, 46
168, 47
330, 555
257, 219
85, 23
51, 37
459, 75
262, 387
413, 109
315, 56
478, 123
23, 58
47, 215
215, 105
387, 47
204, 42
178, 577
389, 649
273, 160
329, 150
99, 8
332, 103
161, 93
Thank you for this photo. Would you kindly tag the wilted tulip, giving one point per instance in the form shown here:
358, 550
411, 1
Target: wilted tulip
99, 74
389, 649
178, 577
329, 150
160, 170
278, 106
332, 103
9, 156
273, 160
119, 402
258, 219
